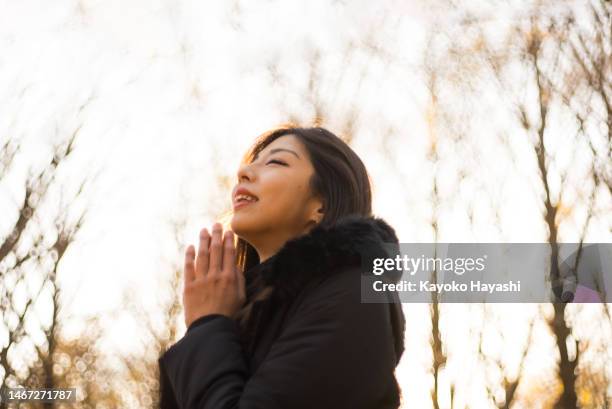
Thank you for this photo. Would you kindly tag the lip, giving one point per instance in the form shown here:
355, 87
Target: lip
242, 191
240, 205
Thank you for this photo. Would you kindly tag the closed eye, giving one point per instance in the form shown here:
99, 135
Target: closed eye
276, 161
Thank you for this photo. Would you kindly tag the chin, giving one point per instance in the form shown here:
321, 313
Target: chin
243, 225
249, 225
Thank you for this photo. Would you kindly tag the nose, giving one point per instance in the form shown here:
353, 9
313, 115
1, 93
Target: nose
245, 173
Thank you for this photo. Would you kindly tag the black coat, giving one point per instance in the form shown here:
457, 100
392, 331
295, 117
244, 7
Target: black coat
313, 344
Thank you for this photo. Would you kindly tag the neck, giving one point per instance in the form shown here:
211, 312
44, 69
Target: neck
269, 244
266, 247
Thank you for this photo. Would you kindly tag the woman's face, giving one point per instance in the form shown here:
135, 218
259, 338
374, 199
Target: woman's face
284, 205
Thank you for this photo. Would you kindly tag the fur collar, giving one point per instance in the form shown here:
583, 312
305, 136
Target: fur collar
322, 251
327, 250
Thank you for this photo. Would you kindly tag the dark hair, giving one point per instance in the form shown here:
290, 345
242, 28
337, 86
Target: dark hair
340, 179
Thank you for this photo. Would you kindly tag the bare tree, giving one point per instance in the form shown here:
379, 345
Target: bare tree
140, 377
509, 384
438, 350
552, 66
34, 353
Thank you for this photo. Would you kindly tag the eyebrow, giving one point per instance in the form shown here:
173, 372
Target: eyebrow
278, 150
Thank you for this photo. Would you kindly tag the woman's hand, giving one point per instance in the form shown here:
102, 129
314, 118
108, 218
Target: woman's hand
213, 284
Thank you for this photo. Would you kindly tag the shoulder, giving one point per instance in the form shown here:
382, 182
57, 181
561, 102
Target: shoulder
338, 295
337, 300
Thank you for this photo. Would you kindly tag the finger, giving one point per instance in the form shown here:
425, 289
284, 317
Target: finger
203, 254
229, 253
216, 249
189, 267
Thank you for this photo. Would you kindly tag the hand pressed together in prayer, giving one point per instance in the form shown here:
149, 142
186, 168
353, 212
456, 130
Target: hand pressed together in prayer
213, 282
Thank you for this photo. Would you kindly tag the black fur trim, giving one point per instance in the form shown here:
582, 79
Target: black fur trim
353, 240
327, 250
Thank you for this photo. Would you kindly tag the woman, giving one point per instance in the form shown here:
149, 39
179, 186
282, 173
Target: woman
291, 331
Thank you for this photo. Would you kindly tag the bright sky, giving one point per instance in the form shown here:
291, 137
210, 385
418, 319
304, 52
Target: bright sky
178, 90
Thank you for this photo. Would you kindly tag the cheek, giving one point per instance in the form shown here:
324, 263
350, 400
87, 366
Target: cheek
286, 199
281, 204
281, 186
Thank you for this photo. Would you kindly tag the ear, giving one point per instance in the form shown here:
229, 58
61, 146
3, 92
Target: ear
318, 212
